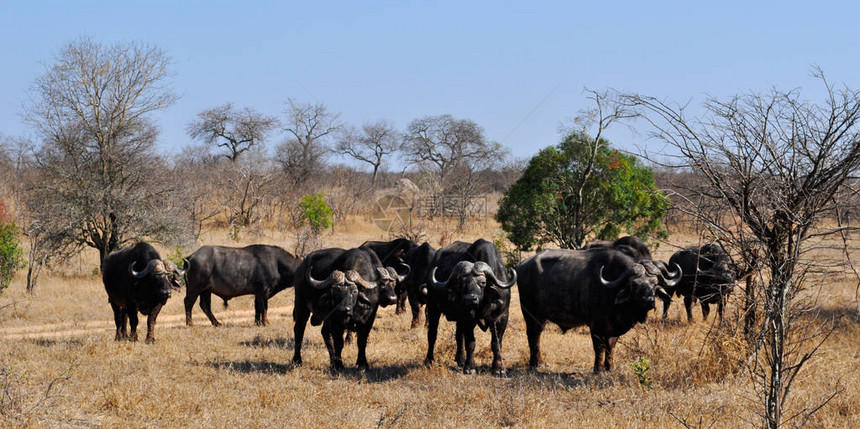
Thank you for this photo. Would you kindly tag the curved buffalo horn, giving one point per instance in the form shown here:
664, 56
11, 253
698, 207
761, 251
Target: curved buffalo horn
436, 284
335, 277
356, 278
492, 276
402, 277
614, 283
662, 294
170, 266
385, 273
670, 278
153, 264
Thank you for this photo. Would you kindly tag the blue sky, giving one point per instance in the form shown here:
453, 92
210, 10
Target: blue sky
517, 69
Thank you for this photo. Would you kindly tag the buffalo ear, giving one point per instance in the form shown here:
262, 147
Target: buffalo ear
622, 297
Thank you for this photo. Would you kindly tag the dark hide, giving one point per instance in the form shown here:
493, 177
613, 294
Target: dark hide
708, 277
128, 294
469, 298
228, 272
565, 287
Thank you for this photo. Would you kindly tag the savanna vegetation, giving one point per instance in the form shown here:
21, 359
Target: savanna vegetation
771, 177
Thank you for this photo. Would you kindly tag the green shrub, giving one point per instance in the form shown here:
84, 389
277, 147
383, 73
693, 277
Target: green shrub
11, 255
315, 212
640, 368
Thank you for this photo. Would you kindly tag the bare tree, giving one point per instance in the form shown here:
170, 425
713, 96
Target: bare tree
96, 180
452, 151
198, 172
235, 130
303, 153
777, 162
372, 144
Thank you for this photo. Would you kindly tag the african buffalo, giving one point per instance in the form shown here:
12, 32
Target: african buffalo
602, 288
476, 291
340, 290
708, 277
420, 260
391, 254
629, 245
229, 272
130, 290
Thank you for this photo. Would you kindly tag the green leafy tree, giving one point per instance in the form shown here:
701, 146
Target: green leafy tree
11, 255
313, 216
316, 213
578, 190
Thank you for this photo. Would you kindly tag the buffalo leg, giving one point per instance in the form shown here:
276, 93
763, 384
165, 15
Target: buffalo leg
415, 306
601, 349
610, 347
706, 310
150, 324
497, 331
720, 305
348, 339
300, 319
666, 304
432, 328
261, 309
534, 328
361, 341
467, 332
333, 338
401, 300
190, 299
120, 319
688, 305
131, 311
206, 306
460, 355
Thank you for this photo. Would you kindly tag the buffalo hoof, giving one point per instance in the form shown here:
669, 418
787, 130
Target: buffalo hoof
297, 362
428, 362
133, 338
500, 372
150, 340
470, 371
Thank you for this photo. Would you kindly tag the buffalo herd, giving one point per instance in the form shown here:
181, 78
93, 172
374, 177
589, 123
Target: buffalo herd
608, 286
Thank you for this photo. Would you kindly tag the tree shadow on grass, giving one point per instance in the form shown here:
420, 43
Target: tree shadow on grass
547, 378
841, 315
252, 367
379, 374
48, 342
262, 343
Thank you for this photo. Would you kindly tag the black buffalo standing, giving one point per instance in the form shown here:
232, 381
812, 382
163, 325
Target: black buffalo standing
340, 290
420, 260
629, 245
570, 288
137, 279
708, 277
391, 254
476, 292
228, 272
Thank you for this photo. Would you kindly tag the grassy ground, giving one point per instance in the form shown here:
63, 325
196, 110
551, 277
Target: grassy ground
240, 374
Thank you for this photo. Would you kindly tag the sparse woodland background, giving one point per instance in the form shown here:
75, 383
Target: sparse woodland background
770, 176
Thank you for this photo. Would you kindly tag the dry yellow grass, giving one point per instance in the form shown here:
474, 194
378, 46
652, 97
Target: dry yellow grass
239, 375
